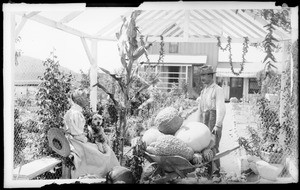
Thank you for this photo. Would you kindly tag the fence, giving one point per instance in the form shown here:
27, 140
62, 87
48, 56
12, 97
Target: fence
26, 139
259, 122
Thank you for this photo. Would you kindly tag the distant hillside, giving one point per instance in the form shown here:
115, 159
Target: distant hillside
29, 68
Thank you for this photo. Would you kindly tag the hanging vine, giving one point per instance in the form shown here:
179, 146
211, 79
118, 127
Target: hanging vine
143, 44
161, 51
277, 18
228, 46
269, 46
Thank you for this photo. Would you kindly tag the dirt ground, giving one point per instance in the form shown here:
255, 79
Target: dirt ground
229, 163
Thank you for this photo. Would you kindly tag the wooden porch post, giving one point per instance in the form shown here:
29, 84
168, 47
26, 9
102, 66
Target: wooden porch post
186, 74
93, 75
8, 72
92, 56
245, 88
284, 78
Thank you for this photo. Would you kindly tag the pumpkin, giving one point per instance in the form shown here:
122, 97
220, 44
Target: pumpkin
151, 135
168, 120
195, 134
119, 174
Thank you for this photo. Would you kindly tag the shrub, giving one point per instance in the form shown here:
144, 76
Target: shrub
52, 99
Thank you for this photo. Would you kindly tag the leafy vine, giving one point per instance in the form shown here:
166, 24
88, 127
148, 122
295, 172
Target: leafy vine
161, 51
228, 46
269, 46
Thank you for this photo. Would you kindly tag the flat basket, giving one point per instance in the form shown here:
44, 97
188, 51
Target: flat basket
271, 157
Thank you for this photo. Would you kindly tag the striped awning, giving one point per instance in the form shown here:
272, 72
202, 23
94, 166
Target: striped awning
250, 69
186, 60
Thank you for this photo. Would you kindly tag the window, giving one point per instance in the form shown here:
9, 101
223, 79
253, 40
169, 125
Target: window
173, 47
253, 86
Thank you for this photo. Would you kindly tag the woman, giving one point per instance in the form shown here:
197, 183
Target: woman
74, 119
87, 158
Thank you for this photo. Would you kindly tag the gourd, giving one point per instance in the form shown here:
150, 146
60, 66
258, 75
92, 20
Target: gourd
208, 154
195, 134
119, 174
151, 135
169, 145
168, 120
197, 158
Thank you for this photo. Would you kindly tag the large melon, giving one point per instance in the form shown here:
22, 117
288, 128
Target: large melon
197, 135
168, 120
151, 135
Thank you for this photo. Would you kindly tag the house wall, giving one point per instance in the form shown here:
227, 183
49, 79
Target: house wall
189, 48
21, 91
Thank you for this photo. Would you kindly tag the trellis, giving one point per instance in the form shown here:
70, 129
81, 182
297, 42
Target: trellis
177, 22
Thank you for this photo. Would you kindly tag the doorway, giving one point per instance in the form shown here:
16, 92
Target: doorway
173, 75
236, 87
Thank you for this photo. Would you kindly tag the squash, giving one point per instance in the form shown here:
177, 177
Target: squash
208, 154
119, 174
195, 134
197, 158
151, 135
169, 145
168, 120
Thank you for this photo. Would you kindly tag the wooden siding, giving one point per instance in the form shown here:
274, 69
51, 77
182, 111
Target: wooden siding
187, 48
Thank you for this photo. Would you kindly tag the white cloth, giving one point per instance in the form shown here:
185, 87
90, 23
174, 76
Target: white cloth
87, 158
74, 122
212, 98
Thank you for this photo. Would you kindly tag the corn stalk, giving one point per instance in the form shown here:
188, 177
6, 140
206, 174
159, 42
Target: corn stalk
129, 52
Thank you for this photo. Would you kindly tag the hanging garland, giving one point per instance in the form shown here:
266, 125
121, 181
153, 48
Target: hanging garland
161, 51
228, 46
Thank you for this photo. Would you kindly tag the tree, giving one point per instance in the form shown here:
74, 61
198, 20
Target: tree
52, 99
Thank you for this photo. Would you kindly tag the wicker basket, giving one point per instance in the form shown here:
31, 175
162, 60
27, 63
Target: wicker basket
272, 158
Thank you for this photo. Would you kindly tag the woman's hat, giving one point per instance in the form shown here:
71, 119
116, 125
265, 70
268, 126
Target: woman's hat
58, 142
207, 69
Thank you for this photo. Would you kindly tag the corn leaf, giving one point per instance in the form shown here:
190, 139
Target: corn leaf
111, 96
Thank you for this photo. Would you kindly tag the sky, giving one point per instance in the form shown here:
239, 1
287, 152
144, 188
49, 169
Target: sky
38, 40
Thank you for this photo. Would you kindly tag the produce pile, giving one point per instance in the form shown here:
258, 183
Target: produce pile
170, 137
272, 153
